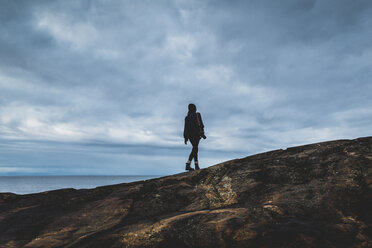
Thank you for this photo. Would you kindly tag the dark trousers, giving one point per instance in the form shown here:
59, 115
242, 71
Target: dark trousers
194, 151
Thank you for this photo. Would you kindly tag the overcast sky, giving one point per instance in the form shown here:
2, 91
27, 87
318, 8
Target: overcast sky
102, 87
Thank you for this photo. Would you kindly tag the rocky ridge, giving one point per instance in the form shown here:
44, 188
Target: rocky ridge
317, 195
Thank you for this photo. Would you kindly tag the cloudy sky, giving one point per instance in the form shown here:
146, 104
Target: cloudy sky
101, 87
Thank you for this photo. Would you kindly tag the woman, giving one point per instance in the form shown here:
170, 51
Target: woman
194, 130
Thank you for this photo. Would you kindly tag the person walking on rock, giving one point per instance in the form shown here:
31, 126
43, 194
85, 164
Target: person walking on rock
193, 131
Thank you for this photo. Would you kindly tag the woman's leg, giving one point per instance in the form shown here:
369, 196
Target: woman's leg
192, 155
194, 151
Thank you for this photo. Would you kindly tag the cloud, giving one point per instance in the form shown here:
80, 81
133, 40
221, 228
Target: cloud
102, 82
80, 35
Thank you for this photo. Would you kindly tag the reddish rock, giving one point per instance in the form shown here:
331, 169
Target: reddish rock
317, 195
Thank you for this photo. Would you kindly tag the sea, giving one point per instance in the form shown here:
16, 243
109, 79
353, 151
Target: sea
35, 184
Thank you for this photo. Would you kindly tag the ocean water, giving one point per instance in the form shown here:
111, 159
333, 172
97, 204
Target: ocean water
35, 184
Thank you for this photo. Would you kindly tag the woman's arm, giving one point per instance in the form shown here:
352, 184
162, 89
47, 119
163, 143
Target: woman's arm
185, 132
201, 121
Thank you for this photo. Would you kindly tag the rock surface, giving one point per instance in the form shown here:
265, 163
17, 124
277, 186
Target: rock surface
317, 195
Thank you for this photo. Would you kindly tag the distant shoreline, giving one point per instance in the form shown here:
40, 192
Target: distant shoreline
35, 184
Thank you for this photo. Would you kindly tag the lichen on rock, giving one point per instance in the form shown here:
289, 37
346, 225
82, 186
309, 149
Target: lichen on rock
220, 194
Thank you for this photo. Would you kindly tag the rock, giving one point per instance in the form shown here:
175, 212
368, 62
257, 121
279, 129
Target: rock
317, 195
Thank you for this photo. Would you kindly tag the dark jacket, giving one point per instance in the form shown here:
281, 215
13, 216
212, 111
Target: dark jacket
192, 128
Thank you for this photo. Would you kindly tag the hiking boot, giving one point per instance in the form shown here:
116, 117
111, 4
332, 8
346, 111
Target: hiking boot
197, 166
188, 168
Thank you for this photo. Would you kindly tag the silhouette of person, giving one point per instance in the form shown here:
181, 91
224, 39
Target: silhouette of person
193, 131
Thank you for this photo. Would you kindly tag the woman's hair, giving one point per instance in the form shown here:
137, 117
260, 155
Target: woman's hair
192, 108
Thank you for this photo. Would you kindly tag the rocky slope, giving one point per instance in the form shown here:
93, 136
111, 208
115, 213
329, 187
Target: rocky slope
317, 195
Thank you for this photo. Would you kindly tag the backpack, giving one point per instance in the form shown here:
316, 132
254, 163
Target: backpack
201, 130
